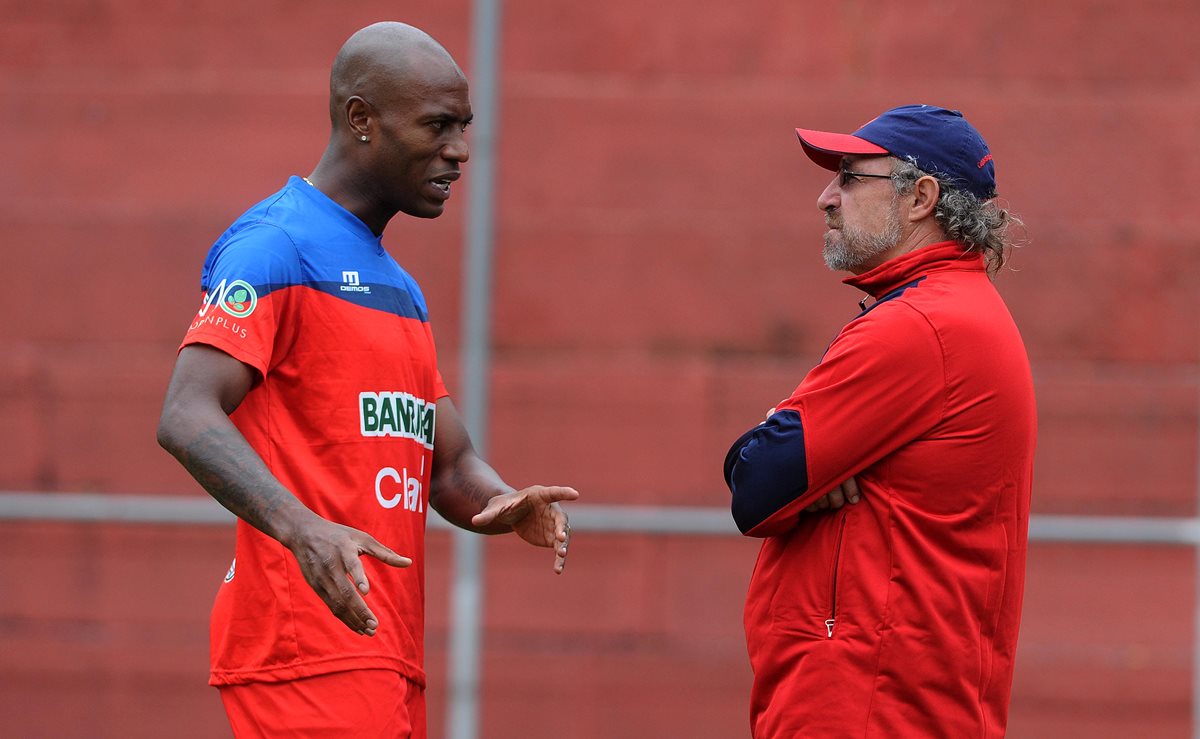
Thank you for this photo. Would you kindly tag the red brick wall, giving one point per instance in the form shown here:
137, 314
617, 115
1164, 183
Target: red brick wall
658, 287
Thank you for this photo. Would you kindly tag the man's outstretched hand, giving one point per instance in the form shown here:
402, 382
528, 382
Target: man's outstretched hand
534, 514
329, 556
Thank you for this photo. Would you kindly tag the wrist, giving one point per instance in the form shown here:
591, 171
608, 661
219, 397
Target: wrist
289, 522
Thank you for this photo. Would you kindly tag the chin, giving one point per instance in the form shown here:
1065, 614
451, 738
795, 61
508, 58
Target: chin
424, 211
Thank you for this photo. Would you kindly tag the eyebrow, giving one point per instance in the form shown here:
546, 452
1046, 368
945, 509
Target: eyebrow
851, 160
450, 116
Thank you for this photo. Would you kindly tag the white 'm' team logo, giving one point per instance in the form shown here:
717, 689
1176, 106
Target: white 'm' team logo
350, 283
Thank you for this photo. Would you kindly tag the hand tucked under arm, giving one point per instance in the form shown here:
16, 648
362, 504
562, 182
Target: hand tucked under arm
845, 493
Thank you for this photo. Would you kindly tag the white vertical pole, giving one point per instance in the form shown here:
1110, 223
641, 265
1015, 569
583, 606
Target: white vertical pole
462, 706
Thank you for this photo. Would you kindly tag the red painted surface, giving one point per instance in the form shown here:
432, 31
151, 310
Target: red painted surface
658, 287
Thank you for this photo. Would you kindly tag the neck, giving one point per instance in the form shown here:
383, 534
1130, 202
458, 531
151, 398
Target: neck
916, 236
922, 234
345, 183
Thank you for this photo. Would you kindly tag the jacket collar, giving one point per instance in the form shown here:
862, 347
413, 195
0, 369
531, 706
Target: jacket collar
895, 272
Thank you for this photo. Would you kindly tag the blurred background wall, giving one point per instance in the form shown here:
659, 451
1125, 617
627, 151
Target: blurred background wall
658, 287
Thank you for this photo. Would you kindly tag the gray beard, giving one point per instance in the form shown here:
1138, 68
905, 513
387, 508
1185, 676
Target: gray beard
855, 249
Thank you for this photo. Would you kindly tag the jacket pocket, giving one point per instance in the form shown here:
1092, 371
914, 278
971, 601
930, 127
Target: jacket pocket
805, 597
831, 622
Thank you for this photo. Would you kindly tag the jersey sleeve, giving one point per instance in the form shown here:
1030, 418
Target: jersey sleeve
880, 385
250, 288
439, 386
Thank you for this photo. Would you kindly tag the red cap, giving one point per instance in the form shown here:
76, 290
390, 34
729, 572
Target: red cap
827, 149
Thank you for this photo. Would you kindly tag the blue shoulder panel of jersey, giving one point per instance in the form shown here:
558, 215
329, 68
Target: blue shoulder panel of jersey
260, 254
298, 236
766, 469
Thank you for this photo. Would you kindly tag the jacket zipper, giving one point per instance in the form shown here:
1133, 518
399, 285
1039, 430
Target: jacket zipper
837, 555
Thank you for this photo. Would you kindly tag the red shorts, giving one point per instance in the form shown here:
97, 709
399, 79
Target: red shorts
357, 703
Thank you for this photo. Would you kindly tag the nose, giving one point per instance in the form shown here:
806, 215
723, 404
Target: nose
831, 196
457, 150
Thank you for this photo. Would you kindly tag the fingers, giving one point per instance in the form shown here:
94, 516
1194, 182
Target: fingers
371, 546
357, 575
847, 492
349, 606
851, 490
330, 578
835, 498
562, 543
535, 515
495, 506
512, 507
551, 493
330, 559
383, 554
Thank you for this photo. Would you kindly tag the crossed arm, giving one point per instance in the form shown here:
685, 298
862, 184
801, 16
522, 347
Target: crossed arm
208, 384
767, 470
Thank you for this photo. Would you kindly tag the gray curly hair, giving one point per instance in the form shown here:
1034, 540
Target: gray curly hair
980, 224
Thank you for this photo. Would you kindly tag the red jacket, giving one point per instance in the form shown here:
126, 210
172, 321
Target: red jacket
896, 616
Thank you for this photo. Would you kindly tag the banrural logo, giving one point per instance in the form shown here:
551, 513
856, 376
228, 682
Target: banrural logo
397, 414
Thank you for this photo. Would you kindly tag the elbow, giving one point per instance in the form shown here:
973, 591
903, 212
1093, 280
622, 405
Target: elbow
743, 504
762, 511
767, 471
168, 429
743, 514
166, 439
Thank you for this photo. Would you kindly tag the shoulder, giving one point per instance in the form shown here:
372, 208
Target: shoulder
256, 251
896, 322
890, 338
271, 228
247, 239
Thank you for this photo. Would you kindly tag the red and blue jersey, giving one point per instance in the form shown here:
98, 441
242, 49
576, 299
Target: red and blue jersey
343, 412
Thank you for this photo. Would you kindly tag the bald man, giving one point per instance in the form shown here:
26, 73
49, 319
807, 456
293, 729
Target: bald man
305, 399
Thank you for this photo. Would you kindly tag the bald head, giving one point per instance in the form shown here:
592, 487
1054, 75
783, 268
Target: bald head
400, 108
385, 63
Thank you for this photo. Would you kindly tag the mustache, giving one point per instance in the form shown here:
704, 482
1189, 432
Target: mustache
833, 219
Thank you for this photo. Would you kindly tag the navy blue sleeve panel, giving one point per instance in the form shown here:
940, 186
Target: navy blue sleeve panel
880, 386
766, 469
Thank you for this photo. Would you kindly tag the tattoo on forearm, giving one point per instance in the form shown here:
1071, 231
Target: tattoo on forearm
473, 491
229, 469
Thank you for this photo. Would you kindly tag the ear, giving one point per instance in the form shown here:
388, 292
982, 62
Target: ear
358, 116
924, 198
